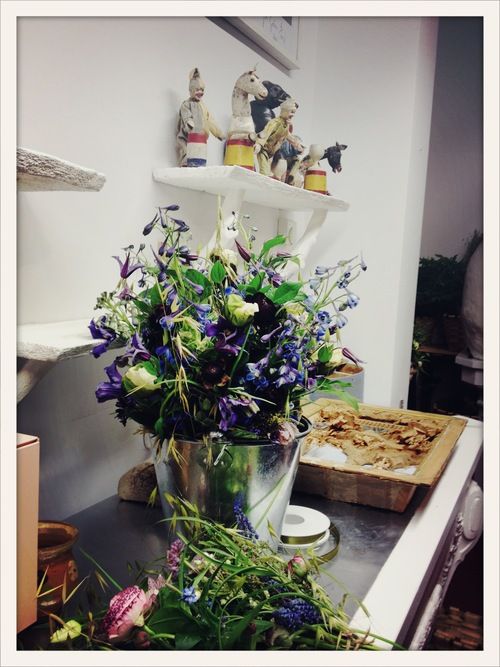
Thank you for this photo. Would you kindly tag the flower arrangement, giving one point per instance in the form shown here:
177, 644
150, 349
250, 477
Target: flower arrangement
222, 343
216, 589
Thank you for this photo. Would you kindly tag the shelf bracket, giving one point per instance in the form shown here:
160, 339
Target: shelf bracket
304, 244
30, 375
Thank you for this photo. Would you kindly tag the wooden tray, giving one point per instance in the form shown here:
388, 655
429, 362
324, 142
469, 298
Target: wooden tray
376, 487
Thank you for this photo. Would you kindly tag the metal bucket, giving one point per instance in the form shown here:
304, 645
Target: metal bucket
259, 476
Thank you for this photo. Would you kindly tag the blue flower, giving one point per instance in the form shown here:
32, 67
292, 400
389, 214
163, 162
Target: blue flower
352, 300
189, 595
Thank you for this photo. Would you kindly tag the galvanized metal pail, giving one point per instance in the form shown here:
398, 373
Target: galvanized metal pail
212, 476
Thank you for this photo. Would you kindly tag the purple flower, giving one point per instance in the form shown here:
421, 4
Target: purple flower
99, 330
228, 406
352, 357
181, 225
126, 269
107, 391
244, 253
135, 351
126, 610
174, 556
149, 227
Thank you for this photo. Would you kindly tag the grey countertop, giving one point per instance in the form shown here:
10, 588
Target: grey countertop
115, 532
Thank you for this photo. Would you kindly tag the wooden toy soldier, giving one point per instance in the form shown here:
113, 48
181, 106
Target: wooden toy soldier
270, 139
194, 122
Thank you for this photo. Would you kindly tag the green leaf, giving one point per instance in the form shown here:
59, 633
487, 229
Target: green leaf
218, 272
142, 306
197, 277
277, 240
154, 295
325, 354
185, 642
285, 292
255, 284
342, 395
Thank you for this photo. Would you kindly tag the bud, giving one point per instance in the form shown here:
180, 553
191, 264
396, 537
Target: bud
238, 311
297, 566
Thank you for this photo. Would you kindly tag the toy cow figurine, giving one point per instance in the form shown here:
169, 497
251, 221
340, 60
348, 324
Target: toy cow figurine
194, 124
333, 155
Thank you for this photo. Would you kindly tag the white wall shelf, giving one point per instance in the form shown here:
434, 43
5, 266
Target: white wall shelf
39, 171
54, 341
238, 185
42, 345
258, 189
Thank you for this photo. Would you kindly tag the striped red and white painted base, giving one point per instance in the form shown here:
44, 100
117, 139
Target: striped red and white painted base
196, 149
239, 152
315, 181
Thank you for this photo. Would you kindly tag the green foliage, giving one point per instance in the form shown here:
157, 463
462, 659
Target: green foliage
223, 591
441, 281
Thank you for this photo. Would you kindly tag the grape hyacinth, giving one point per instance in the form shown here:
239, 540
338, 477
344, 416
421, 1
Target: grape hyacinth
294, 613
174, 556
242, 522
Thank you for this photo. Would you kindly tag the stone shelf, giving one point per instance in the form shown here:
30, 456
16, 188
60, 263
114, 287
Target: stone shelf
54, 341
39, 171
258, 189
43, 345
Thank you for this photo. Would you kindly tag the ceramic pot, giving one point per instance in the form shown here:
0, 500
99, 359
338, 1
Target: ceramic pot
214, 475
56, 562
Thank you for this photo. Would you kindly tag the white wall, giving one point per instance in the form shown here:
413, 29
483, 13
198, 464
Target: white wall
104, 93
454, 196
375, 95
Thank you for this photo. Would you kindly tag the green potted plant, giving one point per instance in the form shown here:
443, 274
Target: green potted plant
439, 296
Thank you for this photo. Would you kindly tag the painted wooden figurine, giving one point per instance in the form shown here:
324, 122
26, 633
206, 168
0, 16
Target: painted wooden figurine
271, 138
241, 135
263, 108
298, 171
194, 125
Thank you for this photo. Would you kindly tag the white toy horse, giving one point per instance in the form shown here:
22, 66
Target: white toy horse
242, 125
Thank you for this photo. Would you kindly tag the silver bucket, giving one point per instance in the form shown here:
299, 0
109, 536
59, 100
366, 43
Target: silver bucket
259, 476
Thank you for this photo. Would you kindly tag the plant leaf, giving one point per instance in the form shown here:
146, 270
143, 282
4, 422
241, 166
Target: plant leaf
285, 292
218, 272
277, 240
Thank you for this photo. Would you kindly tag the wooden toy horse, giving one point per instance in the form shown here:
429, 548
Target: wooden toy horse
262, 109
242, 125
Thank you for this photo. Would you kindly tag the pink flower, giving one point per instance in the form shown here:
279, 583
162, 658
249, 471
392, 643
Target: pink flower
126, 610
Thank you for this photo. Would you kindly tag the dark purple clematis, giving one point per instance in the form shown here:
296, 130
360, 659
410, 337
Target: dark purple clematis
135, 351
126, 268
244, 253
107, 391
228, 409
99, 330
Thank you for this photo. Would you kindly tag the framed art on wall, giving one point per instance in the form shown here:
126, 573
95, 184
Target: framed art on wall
276, 35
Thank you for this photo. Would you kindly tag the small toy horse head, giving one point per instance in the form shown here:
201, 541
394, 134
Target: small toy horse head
333, 155
250, 83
